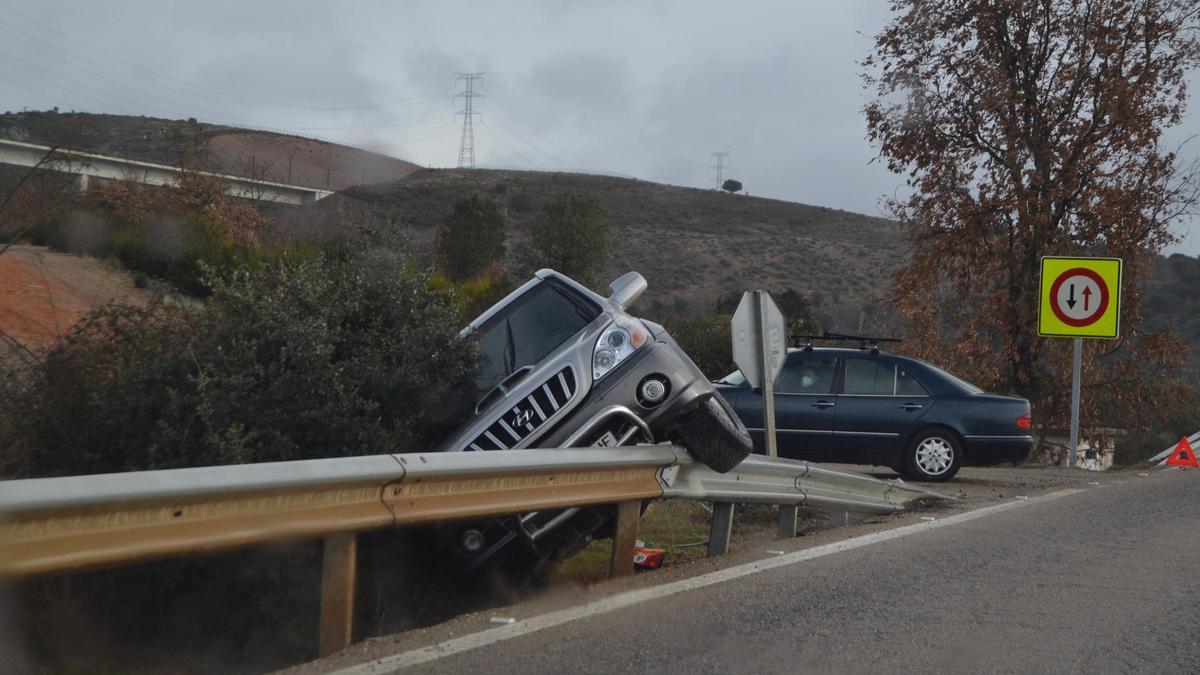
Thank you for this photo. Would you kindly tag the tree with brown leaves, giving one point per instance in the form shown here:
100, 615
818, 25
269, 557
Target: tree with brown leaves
195, 194
1030, 128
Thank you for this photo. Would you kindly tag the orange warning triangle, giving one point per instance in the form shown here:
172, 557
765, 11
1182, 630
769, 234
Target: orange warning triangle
1183, 455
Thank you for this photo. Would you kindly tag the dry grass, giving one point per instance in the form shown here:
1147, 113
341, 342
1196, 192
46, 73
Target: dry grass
691, 244
673, 525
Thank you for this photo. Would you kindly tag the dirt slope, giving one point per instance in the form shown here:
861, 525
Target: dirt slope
312, 163
44, 293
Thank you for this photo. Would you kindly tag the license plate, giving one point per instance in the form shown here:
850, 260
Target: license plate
608, 440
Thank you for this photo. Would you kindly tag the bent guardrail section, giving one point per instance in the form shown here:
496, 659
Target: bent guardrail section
765, 480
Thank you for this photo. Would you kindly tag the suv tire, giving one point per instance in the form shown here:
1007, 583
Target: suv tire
933, 455
714, 435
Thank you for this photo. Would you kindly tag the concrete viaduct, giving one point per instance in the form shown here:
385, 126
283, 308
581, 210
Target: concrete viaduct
86, 165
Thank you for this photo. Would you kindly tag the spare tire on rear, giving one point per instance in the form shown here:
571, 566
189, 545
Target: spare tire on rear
713, 434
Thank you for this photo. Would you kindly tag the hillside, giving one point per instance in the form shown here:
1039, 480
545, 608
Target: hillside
691, 244
713, 241
241, 152
1172, 298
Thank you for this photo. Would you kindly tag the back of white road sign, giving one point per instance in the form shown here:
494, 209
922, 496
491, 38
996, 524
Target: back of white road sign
746, 340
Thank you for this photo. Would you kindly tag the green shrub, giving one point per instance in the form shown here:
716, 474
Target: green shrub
289, 359
174, 249
570, 235
706, 340
471, 238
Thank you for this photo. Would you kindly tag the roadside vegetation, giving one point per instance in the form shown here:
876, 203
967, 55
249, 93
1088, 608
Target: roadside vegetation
333, 339
1033, 129
293, 359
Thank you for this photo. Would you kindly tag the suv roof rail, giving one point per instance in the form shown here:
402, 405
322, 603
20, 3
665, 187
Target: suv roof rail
866, 342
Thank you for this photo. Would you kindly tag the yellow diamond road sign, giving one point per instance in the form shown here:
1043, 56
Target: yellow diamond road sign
1081, 297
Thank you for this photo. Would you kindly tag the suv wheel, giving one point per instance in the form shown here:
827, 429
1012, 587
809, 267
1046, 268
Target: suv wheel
934, 455
714, 435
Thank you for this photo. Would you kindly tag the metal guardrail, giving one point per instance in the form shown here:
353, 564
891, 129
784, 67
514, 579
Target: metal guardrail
1161, 457
764, 480
61, 525
52, 525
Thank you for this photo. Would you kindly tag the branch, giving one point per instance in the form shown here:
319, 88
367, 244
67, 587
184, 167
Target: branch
46, 159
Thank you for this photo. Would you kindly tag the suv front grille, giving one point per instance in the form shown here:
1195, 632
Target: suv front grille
528, 415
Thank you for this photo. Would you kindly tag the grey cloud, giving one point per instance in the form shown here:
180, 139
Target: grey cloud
643, 88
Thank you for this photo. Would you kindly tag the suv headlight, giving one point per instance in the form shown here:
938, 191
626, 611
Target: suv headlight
621, 339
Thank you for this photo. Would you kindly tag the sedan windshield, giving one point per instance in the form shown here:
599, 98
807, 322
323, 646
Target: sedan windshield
527, 330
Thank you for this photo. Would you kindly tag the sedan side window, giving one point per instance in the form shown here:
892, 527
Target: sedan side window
907, 385
869, 377
808, 374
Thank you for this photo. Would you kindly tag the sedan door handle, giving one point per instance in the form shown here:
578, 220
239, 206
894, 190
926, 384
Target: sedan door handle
823, 404
911, 406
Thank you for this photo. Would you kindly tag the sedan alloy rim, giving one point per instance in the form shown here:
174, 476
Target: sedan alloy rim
935, 455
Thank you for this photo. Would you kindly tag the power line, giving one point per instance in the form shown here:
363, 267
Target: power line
50, 98
488, 130
466, 145
189, 110
540, 137
722, 164
495, 122
198, 91
75, 87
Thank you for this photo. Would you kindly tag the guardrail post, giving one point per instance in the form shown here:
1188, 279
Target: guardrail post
787, 521
837, 517
721, 529
338, 573
625, 538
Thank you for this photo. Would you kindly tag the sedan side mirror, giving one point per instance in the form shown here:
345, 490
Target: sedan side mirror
627, 288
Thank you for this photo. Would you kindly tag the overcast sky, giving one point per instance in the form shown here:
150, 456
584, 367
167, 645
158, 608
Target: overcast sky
647, 89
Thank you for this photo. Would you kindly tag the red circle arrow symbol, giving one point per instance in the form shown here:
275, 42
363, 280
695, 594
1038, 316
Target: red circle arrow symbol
1077, 304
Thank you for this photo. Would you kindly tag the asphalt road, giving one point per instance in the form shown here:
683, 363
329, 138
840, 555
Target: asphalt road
1103, 579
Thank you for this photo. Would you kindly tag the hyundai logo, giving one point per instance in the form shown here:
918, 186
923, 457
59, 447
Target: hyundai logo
521, 418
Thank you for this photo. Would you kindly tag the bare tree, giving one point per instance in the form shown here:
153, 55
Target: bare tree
50, 160
257, 170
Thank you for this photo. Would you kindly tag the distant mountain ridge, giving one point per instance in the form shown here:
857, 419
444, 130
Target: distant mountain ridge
241, 152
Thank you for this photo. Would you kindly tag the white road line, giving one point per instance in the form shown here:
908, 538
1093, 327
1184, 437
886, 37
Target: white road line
396, 662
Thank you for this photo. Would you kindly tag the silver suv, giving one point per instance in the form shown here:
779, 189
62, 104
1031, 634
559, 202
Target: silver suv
561, 366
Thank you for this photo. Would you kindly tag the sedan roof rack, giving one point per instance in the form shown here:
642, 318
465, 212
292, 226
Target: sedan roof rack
866, 342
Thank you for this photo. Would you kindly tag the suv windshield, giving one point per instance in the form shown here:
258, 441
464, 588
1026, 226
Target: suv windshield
528, 329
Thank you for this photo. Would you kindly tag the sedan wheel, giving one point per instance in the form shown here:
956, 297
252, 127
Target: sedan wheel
933, 456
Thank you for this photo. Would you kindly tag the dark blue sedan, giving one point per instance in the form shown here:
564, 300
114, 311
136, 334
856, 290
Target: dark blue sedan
864, 407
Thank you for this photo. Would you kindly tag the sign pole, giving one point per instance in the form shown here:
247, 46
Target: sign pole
768, 386
1080, 298
1077, 366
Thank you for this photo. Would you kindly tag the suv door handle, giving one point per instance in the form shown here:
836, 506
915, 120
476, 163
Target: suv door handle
823, 404
911, 406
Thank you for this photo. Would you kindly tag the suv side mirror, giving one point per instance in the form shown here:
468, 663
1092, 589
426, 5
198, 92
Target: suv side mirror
627, 288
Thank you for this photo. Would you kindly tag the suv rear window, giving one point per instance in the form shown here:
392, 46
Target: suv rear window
527, 330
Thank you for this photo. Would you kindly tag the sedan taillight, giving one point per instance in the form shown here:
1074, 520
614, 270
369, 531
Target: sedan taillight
1025, 422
